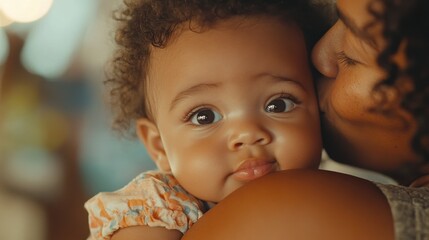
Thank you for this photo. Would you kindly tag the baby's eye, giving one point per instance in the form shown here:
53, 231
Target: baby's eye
280, 104
205, 116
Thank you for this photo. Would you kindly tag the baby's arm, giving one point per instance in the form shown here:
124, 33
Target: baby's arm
146, 233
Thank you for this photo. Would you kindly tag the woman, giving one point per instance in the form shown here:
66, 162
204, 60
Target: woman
375, 111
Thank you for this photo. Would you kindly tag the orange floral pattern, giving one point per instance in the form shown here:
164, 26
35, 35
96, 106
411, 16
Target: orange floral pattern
153, 198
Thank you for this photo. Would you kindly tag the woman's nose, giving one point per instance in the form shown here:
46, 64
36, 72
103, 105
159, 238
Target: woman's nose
324, 55
246, 134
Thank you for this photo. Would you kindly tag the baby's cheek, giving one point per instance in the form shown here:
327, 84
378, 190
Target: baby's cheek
198, 162
300, 148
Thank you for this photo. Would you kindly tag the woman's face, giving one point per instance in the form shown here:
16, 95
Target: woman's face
346, 57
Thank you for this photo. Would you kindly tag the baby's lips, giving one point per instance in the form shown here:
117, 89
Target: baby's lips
250, 170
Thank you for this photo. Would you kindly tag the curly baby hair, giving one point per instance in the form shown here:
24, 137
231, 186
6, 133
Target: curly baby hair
147, 24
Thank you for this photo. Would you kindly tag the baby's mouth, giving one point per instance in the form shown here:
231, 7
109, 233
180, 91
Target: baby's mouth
252, 169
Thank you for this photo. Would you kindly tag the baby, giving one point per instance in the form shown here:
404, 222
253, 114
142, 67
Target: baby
222, 93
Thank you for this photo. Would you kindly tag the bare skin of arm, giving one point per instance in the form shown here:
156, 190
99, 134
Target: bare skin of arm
146, 233
299, 204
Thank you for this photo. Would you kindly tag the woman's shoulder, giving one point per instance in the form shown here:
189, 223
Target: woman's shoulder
300, 204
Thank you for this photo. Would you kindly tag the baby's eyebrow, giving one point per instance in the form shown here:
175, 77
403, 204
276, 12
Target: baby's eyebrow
298, 83
188, 92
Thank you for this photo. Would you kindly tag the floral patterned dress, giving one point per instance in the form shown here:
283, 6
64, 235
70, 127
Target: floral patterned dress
153, 198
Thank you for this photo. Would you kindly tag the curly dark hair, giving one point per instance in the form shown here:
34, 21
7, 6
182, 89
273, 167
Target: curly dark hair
407, 22
144, 24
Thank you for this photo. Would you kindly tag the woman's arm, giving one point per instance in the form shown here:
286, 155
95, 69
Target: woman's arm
299, 204
146, 233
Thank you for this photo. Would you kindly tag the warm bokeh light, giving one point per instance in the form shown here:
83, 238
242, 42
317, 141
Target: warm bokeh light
52, 43
4, 20
25, 10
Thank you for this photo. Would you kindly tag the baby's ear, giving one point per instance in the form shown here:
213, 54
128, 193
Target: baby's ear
148, 133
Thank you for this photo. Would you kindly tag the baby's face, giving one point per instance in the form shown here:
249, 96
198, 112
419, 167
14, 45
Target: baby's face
234, 103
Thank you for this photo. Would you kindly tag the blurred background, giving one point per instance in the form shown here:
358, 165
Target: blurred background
56, 145
57, 148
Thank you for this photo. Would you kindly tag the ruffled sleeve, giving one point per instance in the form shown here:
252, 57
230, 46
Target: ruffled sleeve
152, 198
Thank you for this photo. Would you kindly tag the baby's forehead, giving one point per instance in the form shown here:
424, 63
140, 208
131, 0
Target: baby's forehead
231, 23
234, 33
239, 47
